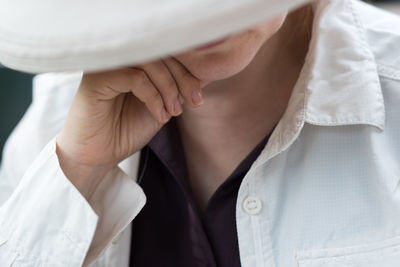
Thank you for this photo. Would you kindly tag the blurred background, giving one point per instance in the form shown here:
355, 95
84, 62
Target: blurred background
392, 5
16, 88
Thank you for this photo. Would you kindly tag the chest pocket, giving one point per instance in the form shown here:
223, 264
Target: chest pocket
383, 254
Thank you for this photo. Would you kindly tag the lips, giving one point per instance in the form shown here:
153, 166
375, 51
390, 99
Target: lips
212, 44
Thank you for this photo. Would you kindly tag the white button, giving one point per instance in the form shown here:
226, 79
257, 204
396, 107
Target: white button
117, 238
252, 205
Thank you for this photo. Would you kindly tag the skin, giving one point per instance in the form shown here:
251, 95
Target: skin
252, 79
218, 94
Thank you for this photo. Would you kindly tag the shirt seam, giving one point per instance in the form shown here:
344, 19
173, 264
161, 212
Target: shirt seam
369, 55
361, 31
341, 123
387, 71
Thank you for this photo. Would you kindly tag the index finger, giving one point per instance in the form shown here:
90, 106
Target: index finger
189, 85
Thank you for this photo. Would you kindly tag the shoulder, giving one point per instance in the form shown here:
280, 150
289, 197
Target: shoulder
382, 32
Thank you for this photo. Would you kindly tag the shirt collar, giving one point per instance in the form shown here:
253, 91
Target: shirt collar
339, 83
343, 86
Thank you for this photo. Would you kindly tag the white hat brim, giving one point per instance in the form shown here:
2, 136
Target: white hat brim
58, 35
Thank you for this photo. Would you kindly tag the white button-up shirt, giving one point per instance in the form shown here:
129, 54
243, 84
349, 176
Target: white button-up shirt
324, 191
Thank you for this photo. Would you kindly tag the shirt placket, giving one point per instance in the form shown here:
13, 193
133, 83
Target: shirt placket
252, 209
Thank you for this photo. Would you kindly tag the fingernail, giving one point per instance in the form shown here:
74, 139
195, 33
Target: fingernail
164, 115
177, 107
196, 97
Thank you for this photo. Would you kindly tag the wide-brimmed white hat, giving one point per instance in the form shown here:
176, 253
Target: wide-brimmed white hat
67, 35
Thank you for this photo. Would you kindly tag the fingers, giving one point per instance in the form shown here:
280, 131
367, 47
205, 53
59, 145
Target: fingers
144, 89
162, 85
189, 86
165, 83
138, 83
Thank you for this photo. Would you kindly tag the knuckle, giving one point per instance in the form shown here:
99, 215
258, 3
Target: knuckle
171, 88
97, 89
155, 98
156, 104
189, 80
186, 76
158, 66
189, 86
139, 76
89, 82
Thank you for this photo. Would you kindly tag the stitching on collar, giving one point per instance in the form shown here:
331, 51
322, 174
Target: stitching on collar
388, 72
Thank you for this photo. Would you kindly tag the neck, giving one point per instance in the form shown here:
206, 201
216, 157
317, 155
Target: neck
240, 111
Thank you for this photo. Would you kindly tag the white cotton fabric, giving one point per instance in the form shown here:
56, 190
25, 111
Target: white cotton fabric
70, 35
324, 192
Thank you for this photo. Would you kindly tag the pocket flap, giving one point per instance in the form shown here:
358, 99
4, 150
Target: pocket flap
383, 254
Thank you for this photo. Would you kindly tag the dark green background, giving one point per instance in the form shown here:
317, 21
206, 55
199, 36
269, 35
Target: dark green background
15, 97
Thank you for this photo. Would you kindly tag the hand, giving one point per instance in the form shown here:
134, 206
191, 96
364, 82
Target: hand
116, 113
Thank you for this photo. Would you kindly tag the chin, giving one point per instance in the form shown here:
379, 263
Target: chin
220, 62
233, 55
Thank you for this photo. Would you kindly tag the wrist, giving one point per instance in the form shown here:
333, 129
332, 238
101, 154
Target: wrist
84, 177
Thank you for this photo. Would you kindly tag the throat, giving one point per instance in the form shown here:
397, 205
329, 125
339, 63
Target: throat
214, 161
239, 112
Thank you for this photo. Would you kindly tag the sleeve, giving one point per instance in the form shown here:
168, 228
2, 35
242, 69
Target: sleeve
44, 220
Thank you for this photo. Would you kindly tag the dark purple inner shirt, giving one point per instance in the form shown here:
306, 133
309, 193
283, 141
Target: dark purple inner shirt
168, 231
